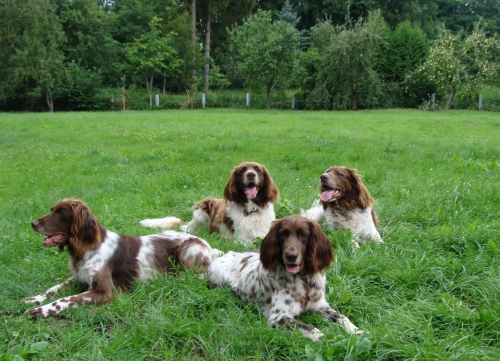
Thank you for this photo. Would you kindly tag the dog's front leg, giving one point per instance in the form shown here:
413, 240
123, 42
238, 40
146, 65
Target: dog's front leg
288, 322
95, 296
331, 315
38, 299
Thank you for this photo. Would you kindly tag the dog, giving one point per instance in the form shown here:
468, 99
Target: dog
103, 260
286, 278
245, 213
346, 204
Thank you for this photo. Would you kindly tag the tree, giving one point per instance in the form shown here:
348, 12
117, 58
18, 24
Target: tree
88, 32
267, 51
151, 54
348, 56
462, 15
288, 15
406, 49
215, 16
30, 39
456, 60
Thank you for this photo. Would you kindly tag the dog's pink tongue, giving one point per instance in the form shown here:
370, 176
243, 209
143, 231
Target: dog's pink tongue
326, 195
53, 241
293, 268
251, 192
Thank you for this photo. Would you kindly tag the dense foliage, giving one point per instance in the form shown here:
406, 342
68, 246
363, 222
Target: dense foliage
181, 47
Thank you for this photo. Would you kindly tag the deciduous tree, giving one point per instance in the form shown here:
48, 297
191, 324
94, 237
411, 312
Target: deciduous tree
153, 53
456, 60
348, 56
30, 39
267, 51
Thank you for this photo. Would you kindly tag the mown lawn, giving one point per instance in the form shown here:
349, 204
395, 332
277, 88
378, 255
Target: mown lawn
431, 292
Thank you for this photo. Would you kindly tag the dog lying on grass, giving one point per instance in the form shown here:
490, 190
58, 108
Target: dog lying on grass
104, 260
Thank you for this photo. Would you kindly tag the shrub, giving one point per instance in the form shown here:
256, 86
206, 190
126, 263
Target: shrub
80, 89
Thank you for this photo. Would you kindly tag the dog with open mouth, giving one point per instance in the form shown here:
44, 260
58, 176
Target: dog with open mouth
286, 277
346, 203
104, 261
245, 212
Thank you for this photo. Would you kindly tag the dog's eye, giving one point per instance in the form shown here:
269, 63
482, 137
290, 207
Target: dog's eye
303, 235
283, 234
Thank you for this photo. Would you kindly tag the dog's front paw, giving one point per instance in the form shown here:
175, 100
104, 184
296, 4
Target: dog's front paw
313, 334
360, 332
34, 312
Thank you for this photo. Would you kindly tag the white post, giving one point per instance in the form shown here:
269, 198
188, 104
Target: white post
433, 99
203, 100
157, 100
480, 102
293, 101
248, 100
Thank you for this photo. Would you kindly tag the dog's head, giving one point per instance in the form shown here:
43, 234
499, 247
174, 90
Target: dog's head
70, 223
252, 181
344, 185
297, 244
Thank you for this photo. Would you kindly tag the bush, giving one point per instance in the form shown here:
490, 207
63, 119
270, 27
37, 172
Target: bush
80, 89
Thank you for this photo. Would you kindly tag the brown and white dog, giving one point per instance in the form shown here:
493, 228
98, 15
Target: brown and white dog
245, 213
286, 278
346, 204
104, 260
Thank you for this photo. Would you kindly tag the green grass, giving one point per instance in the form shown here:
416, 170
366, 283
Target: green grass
431, 292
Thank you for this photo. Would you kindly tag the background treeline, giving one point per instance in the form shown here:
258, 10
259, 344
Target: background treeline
75, 54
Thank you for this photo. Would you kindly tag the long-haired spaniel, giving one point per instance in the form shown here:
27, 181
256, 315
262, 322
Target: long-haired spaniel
245, 213
346, 204
286, 278
104, 260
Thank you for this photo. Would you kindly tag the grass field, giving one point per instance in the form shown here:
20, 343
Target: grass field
431, 292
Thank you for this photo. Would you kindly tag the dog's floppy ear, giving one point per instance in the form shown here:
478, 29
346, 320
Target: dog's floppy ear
85, 230
270, 249
319, 252
362, 194
231, 190
273, 193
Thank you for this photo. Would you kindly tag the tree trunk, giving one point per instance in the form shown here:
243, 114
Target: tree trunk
164, 84
149, 88
193, 40
48, 99
268, 94
450, 99
353, 97
207, 48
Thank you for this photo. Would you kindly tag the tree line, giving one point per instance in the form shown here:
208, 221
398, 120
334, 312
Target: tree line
336, 54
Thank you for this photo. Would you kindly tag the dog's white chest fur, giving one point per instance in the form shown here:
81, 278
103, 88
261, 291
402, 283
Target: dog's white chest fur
94, 261
250, 222
358, 220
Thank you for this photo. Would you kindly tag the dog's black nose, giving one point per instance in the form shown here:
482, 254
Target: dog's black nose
324, 176
34, 224
291, 255
251, 175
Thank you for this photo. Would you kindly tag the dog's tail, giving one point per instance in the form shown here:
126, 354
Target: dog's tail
166, 223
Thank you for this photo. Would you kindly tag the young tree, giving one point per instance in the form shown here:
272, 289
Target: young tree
454, 60
267, 51
151, 54
348, 56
